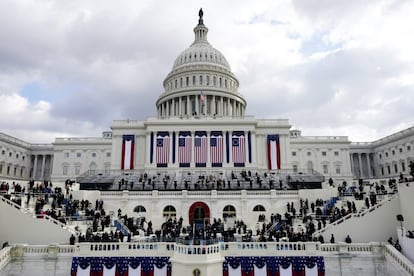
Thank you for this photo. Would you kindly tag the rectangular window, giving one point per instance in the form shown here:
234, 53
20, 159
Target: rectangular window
389, 169
65, 170
395, 168
324, 153
338, 169
293, 153
325, 169
78, 154
382, 170
66, 154
401, 150
403, 166
408, 148
336, 153
108, 154
77, 170
295, 168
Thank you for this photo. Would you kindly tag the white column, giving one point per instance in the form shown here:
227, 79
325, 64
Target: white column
352, 163
192, 163
148, 142
213, 105
197, 109
221, 106
234, 111
208, 148
171, 143
42, 170
34, 168
173, 107
369, 166
188, 106
360, 165
180, 109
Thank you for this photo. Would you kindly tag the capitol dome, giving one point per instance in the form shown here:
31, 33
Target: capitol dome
201, 83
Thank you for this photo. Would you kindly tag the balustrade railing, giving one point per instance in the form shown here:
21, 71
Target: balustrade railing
394, 256
5, 256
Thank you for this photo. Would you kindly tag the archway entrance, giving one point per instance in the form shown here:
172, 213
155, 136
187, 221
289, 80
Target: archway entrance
199, 214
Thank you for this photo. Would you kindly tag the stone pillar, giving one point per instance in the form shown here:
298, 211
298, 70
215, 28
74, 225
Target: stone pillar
213, 105
192, 163
360, 165
34, 167
173, 107
42, 170
208, 148
197, 109
352, 163
369, 166
180, 109
221, 106
188, 106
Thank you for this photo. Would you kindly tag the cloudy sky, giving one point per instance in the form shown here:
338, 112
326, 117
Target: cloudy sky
343, 67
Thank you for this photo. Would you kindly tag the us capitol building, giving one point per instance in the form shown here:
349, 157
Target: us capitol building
202, 157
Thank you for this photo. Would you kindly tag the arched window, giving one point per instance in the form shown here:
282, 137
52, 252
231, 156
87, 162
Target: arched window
169, 211
229, 211
259, 208
140, 209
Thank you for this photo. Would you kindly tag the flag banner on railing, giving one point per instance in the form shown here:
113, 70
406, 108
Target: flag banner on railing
121, 266
274, 265
184, 148
127, 162
273, 152
216, 148
238, 148
163, 149
200, 148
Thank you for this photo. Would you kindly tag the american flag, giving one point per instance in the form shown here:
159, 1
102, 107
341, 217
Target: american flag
216, 149
274, 265
200, 148
163, 149
121, 266
238, 149
184, 148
